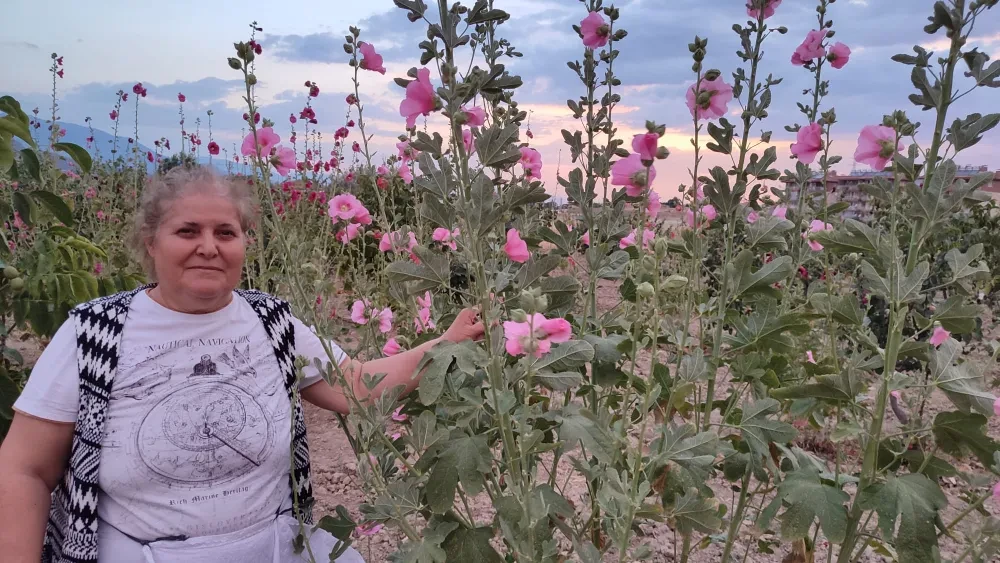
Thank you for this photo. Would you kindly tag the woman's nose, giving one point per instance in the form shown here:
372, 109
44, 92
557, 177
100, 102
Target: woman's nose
207, 246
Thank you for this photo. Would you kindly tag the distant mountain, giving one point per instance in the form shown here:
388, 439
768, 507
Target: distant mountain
78, 134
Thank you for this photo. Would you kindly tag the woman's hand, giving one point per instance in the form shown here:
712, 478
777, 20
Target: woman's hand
467, 326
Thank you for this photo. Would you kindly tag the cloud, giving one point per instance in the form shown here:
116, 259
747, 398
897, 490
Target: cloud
24, 44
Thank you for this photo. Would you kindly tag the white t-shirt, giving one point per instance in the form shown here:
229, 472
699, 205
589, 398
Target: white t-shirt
198, 431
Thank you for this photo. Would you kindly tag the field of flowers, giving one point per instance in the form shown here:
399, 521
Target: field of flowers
761, 380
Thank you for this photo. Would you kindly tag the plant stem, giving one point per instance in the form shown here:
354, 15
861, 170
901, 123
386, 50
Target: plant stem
736, 520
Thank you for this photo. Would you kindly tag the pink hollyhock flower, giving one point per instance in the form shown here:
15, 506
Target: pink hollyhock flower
939, 336
345, 206
810, 48
213, 148
710, 212
769, 7
474, 116
839, 55
284, 160
314, 88
356, 147
405, 151
351, 99
516, 249
91, 193
653, 207
810, 358
996, 491
358, 310
351, 232
266, 140
752, 217
391, 347
405, 173
398, 415
370, 59
816, 226
629, 240
181, 98
137, 89
98, 268
425, 301
531, 161
384, 320
809, 143
585, 239
595, 31
996, 406
292, 119
149, 156
530, 134
535, 336
382, 170
877, 146
369, 529
644, 144
420, 99
363, 217
467, 142
423, 321
446, 237
780, 212
631, 173
393, 242
720, 94
113, 115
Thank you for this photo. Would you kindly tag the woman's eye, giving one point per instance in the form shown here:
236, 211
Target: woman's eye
227, 234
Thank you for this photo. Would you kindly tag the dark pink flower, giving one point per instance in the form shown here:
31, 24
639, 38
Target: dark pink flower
595, 31
839, 55
283, 160
149, 156
877, 146
113, 115
351, 99
531, 161
314, 90
809, 143
810, 48
292, 118
516, 249
356, 147
266, 140
420, 98
370, 59
718, 98
60, 73
631, 173
213, 148
474, 116
98, 268
769, 7
644, 144
181, 98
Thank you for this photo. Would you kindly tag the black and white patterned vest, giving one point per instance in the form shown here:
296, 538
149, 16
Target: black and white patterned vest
71, 534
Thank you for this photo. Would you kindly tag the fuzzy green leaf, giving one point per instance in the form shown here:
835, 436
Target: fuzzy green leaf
579, 425
767, 233
808, 498
79, 155
471, 545
960, 381
462, 458
745, 281
916, 501
566, 356
759, 431
692, 513
956, 432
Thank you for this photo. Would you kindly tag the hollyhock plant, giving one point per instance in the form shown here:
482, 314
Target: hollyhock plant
809, 143
266, 140
345, 206
939, 336
877, 146
474, 116
711, 100
391, 347
645, 145
536, 335
420, 98
213, 148
629, 240
811, 48
595, 31
769, 7
839, 55
816, 226
516, 249
370, 59
405, 173
531, 161
631, 173
181, 98
446, 237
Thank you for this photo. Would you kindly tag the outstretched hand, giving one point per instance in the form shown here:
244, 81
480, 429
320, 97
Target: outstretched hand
467, 326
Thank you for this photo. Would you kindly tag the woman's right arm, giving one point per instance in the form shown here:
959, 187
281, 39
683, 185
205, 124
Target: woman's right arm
33, 458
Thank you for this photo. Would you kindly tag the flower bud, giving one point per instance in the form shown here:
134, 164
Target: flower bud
235, 63
17, 284
782, 30
645, 290
712, 74
251, 79
648, 263
675, 282
348, 49
661, 246
310, 268
662, 153
518, 316
10, 272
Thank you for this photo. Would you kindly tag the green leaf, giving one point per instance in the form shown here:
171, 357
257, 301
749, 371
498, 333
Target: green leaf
30, 162
907, 287
424, 432
9, 392
578, 425
683, 445
437, 361
965, 133
561, 381
483, 213
959, 381
471, 545
916, 501
745, 281
852, 236
495, 146
613, 265
765, 329
767, 233
16, 122
462, 458
340, 526
694, 368
845, 309
566, 356
759, 431
428, 549
606, 347
79, 155
25, 207
7, 155
434, 271
962, 267
956, 432
955, 316
55, 205
693, 513
561, 291
842, 387
534, 269
808, 498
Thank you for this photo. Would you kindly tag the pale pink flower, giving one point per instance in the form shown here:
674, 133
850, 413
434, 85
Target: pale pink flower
516, 249
100, 217
345, 206
395, 436
752, 217
266, 140
996, 407
720, 94
420, 99
284, 160
398, 415
653, 206
939, 336
425, 301
780, 212
394, 242
384, 320
710, 212
809, 143
839, 55
531, 161
98, 268
632, 173
810, 358
423, 320
369, 529
629, 240
382, 170
446, 237
536, 335
91, 193
363, 217
810, 48
474, 116
877, 146
370, 59
358, 310
405, 173
769, 7
350, 233
585, 239
645, 145
816, 226
595, 31
467, 142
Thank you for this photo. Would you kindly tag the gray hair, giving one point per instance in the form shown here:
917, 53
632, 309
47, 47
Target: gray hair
162, 191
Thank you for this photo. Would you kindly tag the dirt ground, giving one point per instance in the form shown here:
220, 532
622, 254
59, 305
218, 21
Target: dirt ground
336, 481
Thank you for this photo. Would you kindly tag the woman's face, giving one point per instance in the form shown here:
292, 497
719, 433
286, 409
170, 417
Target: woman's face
199, 247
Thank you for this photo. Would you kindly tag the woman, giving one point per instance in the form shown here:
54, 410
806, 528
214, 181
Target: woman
165, 420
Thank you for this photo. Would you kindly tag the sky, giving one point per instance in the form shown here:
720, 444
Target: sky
182, 46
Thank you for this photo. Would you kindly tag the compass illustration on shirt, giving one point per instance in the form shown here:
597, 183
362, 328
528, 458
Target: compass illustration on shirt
206, 433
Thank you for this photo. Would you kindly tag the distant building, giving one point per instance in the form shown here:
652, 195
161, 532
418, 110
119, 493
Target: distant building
847, 188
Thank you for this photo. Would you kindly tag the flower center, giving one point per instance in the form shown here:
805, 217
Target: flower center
639, 179
888, 148
604, 30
